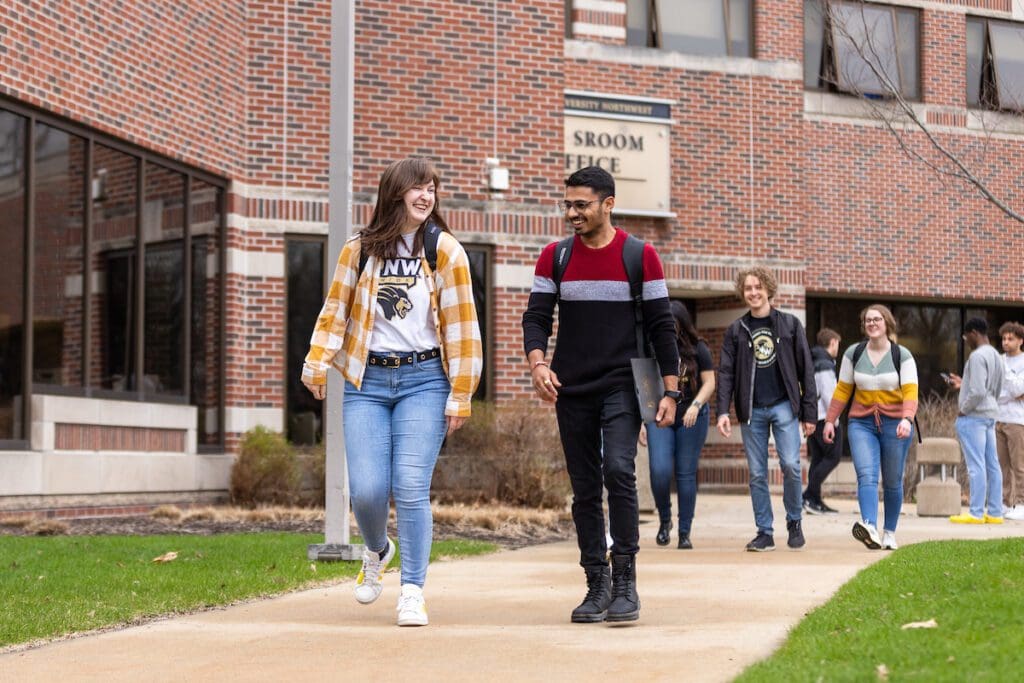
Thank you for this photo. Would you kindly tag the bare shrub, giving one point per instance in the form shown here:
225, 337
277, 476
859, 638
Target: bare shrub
312, 462
171, 513
266, 470
46, 527
510, 454
18, 522
207, 514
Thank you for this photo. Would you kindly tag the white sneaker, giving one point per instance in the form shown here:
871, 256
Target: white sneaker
889, 540
368, 585
412, 610
867, 534
1016, 513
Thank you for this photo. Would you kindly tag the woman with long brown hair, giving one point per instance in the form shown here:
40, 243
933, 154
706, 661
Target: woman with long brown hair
674, 451
400, 325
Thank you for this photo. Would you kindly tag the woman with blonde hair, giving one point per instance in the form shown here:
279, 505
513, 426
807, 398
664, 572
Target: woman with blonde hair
881, 376
400, 325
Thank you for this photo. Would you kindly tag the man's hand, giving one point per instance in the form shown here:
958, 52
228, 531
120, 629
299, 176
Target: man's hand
828, 432
955, 380
809, 428
545, 383
319, 391
724, 426
666, 412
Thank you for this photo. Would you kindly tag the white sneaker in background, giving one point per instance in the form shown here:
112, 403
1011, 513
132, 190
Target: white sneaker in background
889, 540
368, 583
412, 610
1016, 513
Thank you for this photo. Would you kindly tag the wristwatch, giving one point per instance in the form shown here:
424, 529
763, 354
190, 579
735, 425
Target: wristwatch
676, 396
697, 404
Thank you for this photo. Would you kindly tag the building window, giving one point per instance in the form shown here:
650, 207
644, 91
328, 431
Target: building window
932, 332
862, 49
995, 64
110, 234
480, 271
713, 28
306, 282
13, 130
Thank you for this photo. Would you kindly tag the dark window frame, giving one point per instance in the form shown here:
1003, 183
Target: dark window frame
327, 272
142, 157
654, 35
827, 79
485, 391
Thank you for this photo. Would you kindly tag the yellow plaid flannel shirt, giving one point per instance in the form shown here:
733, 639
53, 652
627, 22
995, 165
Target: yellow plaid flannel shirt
344, 327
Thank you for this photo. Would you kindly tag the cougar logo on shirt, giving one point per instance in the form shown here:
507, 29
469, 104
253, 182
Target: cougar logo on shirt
397, 276
764, 347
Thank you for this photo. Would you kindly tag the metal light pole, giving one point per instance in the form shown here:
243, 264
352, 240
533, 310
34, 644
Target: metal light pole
336, 545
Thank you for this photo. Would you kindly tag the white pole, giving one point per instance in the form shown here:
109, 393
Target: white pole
336, 545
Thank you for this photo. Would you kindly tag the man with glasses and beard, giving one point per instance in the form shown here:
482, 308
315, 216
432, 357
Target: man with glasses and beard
590, 382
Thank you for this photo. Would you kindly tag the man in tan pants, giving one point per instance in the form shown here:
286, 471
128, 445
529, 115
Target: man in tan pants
1010, 423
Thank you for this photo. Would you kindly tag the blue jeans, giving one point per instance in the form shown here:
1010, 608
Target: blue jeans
785, 426
978, 440
875, 450
676, 451
394, 428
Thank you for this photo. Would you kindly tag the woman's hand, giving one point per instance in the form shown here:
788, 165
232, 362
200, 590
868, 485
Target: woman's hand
690, 416
903, 428
643, 435
545, 383
319, 391
454, 423
828, 432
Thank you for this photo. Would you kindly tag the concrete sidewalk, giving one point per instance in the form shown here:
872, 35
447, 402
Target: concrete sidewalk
706, 615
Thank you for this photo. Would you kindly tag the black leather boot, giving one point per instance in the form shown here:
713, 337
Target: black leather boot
599, 595
625, 602
663, 537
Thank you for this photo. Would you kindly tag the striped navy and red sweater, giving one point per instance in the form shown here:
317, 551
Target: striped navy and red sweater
596, 334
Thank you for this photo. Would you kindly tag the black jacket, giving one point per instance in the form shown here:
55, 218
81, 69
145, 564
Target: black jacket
737, 369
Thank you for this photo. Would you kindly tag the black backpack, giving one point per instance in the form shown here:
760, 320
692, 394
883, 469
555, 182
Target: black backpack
632, 259
894, 350
430, 237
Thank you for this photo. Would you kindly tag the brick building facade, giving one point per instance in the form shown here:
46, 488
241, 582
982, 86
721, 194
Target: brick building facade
227, 105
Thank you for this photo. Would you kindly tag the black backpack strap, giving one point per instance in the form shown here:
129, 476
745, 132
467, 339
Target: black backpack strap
430, 237
633, 260
563, 250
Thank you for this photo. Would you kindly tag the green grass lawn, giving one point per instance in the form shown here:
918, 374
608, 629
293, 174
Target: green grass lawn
974, 590
57, 585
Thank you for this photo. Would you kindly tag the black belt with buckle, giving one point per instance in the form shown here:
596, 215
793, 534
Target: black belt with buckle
397, 360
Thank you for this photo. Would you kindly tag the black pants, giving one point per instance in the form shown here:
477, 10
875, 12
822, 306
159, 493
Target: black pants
824, 458
599, 434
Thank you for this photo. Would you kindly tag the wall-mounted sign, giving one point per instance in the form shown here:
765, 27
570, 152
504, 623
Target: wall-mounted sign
629, 138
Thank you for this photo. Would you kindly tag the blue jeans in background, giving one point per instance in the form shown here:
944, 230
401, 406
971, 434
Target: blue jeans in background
394, 428
675, 452
978, 440
877, 450
784, 425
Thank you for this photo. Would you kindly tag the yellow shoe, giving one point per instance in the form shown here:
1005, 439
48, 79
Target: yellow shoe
992, 520
968, 518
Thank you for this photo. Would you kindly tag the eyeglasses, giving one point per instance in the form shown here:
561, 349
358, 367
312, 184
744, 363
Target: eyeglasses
579, 205
873, 321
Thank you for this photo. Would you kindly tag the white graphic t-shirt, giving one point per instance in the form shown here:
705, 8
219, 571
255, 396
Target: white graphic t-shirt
403, 321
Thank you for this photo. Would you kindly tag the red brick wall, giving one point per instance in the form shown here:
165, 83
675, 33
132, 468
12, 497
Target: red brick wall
168, 76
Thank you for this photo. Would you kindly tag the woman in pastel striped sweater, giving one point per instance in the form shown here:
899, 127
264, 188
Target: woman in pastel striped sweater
881, 422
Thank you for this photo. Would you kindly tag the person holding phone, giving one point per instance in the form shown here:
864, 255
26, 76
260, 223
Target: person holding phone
883, 384
406, 339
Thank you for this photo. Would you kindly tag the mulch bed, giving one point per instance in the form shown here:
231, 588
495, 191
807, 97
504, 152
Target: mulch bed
511, 536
